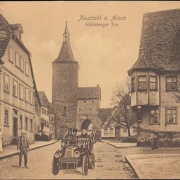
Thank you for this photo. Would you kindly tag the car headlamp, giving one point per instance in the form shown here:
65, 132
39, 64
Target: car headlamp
57, 154
76, 154
63, 144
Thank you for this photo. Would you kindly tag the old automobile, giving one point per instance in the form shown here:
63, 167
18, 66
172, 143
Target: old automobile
75, 152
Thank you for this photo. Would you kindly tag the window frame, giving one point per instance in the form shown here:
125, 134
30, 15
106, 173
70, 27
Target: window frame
15, 90
146, 87
133, 79
17, 64
31, 125
26, 123
175, 76
156, 83
105, 130
9, 54
21, 63
6, 89
111, 130
7, 120
26, 95
26, 68
20, 85
21, 121
157, 111
176, 114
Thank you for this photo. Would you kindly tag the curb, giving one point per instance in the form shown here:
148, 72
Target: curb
134, 167
16, 153
120, 147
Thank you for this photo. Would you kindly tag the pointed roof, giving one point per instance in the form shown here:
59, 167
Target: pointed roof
66, 31
66, 54
159, 45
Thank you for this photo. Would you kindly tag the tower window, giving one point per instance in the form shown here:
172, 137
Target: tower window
64, 111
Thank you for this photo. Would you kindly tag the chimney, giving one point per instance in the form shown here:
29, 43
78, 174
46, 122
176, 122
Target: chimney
17, 30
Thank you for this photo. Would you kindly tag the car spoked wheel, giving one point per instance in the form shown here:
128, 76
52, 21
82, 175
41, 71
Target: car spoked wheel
55, 170
92, 161
85, 165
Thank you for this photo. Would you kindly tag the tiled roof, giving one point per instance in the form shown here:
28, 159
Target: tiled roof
43, 99
5, 35
89, 93
160, 42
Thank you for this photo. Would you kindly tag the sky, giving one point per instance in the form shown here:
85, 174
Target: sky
105, 54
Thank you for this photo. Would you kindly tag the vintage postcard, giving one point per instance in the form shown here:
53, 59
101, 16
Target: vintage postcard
89, 90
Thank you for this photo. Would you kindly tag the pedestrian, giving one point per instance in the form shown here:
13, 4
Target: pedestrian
154, 144
23, 146
1, 149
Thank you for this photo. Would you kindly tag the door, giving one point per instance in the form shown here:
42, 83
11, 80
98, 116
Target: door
15, 127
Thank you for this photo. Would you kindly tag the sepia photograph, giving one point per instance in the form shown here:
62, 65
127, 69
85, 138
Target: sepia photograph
90, 90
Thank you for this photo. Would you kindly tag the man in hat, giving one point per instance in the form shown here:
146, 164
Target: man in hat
23, 146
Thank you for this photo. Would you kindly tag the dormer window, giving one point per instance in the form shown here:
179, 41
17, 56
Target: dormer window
171, 83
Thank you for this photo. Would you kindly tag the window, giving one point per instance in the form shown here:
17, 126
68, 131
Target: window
26, 123
133, 87
47, 124
135, 130
27, 95
6, 82
17, 60
21, 121
155, 117
90, 109
64, 111
105, 131
31, 97
21, 64
21, 92
79, 109
171, 83
153, 83
171, 115
15, 88
92, 101
11, 52
111, 130
31, 124
6, 117
84, 101
26, 68
142, 84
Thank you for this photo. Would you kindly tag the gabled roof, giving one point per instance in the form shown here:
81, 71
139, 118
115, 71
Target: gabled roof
89, 93
160, 42
5, 35
43, 99
16, 26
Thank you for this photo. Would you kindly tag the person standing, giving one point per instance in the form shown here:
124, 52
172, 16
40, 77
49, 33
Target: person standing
23, 146
1, 149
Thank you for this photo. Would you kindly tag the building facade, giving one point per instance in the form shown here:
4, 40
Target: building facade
17, 84
72, 104
155, 77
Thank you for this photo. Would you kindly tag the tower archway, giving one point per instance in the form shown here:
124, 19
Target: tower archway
87, 124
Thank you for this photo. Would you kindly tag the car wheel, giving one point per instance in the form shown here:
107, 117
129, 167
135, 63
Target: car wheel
92, 161
55, 170
85, 165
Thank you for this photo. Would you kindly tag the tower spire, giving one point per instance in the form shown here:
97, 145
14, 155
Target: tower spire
66, 35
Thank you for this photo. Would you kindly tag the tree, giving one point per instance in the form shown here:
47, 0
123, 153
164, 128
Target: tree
123, 113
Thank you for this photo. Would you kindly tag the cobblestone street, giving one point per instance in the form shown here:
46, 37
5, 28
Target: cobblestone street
109, 164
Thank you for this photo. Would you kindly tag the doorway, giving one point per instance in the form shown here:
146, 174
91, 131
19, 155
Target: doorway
15, 127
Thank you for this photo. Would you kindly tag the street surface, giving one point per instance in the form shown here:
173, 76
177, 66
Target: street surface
109, 164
